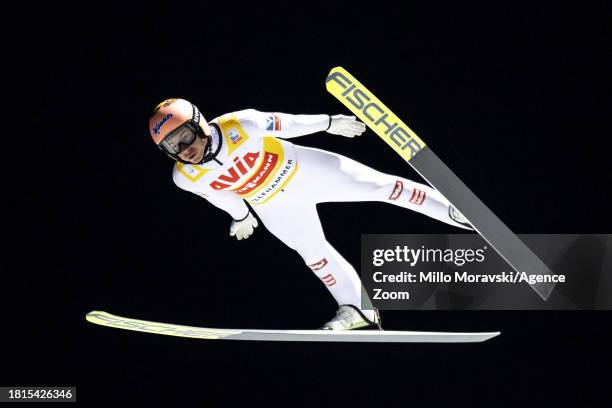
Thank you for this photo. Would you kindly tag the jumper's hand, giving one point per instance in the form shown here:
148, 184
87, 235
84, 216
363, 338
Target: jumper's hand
244, 228
346, 126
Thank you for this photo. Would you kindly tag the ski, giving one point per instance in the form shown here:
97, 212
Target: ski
411, 148
361, 336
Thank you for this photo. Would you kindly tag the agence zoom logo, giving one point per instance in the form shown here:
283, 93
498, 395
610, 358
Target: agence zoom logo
360, 100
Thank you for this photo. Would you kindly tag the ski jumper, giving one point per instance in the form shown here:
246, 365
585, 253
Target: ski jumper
283, 183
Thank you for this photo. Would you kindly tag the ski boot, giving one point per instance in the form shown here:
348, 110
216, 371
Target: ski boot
348, 317
458, 217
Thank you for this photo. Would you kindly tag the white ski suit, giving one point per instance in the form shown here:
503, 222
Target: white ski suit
283, 183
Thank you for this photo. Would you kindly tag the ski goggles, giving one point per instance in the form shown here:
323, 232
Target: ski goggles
179, 139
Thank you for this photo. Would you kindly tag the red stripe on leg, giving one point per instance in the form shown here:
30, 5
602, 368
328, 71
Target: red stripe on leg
397, 190
328, 280
414, 192
318, 265
418, 196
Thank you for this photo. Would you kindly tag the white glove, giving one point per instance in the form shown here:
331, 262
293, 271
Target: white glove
346, 126
244, 228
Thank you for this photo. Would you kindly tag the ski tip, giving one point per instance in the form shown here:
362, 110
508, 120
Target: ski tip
334, 72
94, 312
90, 317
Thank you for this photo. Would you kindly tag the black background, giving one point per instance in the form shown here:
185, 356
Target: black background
514, 98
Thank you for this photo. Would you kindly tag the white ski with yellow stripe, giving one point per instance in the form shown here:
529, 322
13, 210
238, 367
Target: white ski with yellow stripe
378, 117
362, 336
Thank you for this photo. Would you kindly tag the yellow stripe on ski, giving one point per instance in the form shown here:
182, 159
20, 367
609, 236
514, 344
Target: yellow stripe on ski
373, 113
107, 319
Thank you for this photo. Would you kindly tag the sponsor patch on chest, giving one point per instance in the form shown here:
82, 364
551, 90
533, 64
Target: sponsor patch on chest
241, 167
